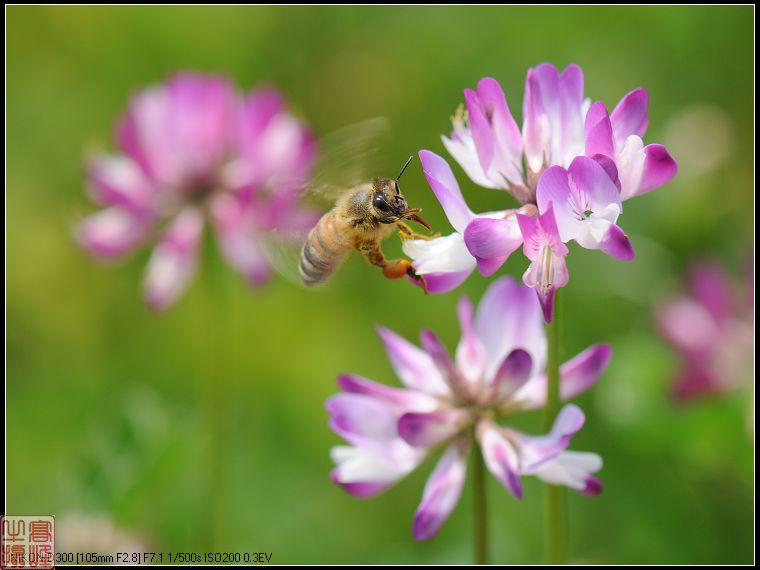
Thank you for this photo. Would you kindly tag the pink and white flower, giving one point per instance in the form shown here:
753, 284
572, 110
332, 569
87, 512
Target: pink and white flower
195, 152
539, 164
497, 370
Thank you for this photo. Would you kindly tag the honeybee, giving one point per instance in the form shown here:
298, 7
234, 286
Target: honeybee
363, 216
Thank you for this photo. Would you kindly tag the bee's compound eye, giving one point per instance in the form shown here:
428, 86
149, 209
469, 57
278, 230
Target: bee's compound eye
380, 203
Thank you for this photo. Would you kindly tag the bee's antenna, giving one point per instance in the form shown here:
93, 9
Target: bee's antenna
404, 168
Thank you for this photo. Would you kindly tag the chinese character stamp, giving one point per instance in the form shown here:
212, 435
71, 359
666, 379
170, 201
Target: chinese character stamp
27, 541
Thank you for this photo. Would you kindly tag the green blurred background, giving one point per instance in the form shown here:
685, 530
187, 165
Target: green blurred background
115, 412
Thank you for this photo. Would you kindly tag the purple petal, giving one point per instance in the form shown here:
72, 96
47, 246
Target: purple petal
688, 326
530, 229
599, 131
583, 370
413, 366
470, 354
355, 418
495, 133
546, 299
609, 167
492, 241
511, 375
659, 168
593, 486
695, 381
553, 116
405, 399
506, 131
430, 428
508, 317
546, 273
260, 107
576, 376
363, 490
571, 85
553, 188
480, 127
373, 466
444, 185
541, 231
710, 286
573, 469
537, 450
113, 232
240, 240
442, 282
591, 187
630, 116
119, 181
442, 360
500, 457
442, 491
179, 131
461, 147
541, 115
550, 231
174, 260
271, 145
617, 244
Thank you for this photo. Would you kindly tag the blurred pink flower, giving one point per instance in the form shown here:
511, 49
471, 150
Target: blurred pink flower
712, 329
497, 370
195, 152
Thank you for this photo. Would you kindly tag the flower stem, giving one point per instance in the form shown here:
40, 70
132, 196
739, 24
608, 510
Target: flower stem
480, 527
556, 515
214, 397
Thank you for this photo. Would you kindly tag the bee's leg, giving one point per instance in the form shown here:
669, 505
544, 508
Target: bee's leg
392, 269
405, 232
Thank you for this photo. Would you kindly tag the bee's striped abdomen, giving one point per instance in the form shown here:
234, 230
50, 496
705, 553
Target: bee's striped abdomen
323, 251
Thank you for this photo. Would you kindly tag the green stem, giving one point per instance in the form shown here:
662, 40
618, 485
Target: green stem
213, 392
480, 527
556, 508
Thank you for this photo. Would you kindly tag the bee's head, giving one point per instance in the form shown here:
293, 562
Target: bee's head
388, 203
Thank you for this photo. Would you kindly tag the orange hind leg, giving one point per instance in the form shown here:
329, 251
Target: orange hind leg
392, 269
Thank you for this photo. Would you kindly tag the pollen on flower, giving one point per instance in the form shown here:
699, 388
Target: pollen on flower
459, 118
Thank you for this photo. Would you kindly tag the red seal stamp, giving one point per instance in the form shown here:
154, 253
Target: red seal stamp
27, 541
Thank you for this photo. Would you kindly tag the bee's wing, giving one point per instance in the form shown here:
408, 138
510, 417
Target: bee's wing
283, 251
347, 157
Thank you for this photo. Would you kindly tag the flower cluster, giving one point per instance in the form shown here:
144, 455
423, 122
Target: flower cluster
712, 329
570, 167
195, 151
498, 370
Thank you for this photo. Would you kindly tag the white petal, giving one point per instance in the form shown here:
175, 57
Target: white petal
440, 255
